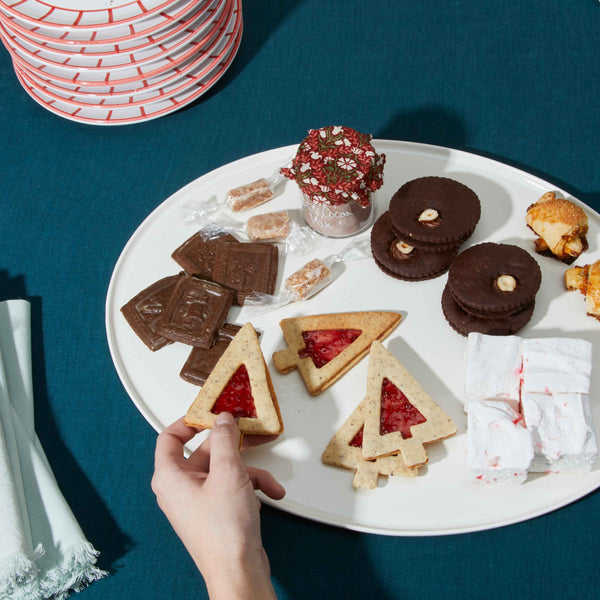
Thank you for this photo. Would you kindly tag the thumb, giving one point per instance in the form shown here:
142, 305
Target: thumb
226, 466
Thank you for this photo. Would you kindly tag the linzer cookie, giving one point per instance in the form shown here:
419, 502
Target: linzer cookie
345, 450
197, 256
491, 289
400, 259
245, 268
464, 322
399, 414
494, 278
239, 384
434, 210
325, 347
144, 310
202, 361
196, 310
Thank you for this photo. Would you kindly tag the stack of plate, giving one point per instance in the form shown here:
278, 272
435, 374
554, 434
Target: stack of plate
119, 61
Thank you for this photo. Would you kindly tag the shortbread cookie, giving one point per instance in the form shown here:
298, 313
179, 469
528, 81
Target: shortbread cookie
561, 225
464, 322
399, 415
586, 279
403, 260
239, 384
345, 450
325, 347
196, 310
144, 310
494, 278
435, 210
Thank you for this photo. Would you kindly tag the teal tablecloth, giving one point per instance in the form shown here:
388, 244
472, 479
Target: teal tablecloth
516, 81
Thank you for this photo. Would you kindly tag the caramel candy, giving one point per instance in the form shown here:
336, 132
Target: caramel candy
144, 310
270, 227
196, 310
308, 280
248, 196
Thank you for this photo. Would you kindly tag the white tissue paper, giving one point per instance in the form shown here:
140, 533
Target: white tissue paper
43, 553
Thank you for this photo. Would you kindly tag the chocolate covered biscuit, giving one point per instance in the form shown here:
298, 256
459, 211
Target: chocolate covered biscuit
144, 310
244, 268
197, 256
195, 312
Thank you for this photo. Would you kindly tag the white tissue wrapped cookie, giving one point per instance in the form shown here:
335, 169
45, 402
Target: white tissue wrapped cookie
499, 448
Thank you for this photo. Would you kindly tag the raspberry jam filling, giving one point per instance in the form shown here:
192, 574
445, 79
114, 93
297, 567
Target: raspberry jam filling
323, 345
357, 440
236, 397
397, 413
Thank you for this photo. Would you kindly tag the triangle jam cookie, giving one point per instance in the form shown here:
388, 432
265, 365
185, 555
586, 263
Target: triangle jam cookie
345, 450
324, 347
240, 384
399, 415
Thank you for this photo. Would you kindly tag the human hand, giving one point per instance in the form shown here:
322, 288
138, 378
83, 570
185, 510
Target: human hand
210, 501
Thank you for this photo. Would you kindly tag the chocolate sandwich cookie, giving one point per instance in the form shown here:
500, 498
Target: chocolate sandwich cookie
494, 324
492, 278
144, 310
399, 259
245, 268
197, 256
196, 311
434, 210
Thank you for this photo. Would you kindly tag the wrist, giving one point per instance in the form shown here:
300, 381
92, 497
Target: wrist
241, 575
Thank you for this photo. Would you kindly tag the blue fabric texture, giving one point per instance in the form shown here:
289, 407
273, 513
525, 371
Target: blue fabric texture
515, 81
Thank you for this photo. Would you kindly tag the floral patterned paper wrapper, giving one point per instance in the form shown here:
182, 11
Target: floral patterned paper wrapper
335, 165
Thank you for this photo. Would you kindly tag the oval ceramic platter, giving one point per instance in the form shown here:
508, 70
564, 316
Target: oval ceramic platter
440, 500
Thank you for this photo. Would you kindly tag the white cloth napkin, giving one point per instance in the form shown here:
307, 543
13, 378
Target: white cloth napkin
43, 552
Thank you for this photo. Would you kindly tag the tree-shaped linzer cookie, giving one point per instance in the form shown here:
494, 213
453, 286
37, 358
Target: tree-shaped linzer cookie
324, 347
345, 450
399, 415
240, 384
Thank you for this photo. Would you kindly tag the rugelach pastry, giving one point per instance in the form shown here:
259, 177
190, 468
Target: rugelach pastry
434, 210
586, 279
325, 347
196, 310
406, 260
399, 415
144, 310
345, 450
240, 384
561, 225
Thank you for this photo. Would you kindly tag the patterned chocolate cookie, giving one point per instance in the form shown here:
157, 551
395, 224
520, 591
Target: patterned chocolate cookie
399, 259
492, 278
435, 210
496, 324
